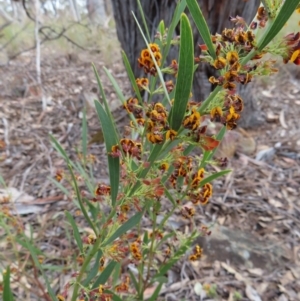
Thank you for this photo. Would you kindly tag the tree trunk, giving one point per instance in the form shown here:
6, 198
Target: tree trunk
216, 12
96, 11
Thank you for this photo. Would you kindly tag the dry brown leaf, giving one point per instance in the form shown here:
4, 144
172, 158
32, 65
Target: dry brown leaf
265, 219
287, 278
198, 289
296, 273
281, 288
262, 287
232, 271
271, 117
256, 271
282, 119
221, 220
275, 203
252, 294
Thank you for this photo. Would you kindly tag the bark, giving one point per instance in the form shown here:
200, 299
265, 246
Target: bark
216, 13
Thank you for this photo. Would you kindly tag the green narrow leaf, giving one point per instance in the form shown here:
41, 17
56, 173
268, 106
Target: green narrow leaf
180, 7
185, 73
59, 148
110, 140
133, 279
24, 245
142, 174
95, 269
78, 194
201, 26
75, 231
156, 292
85, 176
131, 77
2, 182
103, 277
33, 254
60, 186
287, 9
133, 221
84, 136
107, 108
115, 85
116, 274
175, 257
216, 175
114, 296
7, 293
144, 19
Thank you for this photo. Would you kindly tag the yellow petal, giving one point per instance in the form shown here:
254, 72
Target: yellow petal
295, 55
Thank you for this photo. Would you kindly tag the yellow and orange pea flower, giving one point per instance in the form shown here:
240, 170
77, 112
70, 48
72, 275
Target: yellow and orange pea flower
293, 43
197, 254
145, 60
142, 83
192, 121
102, 189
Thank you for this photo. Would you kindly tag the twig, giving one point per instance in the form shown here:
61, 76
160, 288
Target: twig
38, 53
6, 136
40, 286
61, 34
26, 11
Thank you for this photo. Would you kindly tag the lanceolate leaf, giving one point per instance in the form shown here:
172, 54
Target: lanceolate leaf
132, 222
201, 25
95, 269
103, 277
75, 231
7, 293
131, 76
176, 17
110, 134
285, 13
185, 73
214, 176
84, 135
110, 140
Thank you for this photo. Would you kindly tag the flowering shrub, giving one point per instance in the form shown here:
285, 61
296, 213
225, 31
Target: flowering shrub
156, 163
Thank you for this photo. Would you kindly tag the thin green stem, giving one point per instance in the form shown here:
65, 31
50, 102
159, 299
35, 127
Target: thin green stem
85, 264
151, 250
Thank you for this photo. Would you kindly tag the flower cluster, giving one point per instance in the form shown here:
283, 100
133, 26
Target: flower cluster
123, 287
156, 122
128, 147
197, 254
142, 83
293, 44
146, 61
135, 250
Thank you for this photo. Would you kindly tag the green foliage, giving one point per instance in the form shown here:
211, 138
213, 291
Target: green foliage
7, 293
154, 164
185, 74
